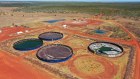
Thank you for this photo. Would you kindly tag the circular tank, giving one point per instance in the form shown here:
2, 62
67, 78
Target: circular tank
54, 53
27, 44
106, 48
50, 36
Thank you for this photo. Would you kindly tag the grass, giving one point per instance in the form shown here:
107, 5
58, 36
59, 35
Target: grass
117, 32
88, 66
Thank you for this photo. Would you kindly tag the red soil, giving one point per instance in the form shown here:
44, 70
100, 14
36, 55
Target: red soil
71, 23
7, 32
14, 68
82, 22
94, 22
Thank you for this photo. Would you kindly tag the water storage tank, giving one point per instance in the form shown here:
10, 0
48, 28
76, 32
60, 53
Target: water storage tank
50, 36
54, 53
106, 49
27, 44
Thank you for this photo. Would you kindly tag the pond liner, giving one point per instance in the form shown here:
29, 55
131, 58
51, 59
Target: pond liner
27, 44
93, 51
54, 21
45, 52
50, 36
100, 31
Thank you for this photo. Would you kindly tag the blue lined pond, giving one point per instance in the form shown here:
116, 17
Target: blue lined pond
54, 21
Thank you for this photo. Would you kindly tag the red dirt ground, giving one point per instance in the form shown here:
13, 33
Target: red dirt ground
95, 22
14, 68
7, 31
82, 22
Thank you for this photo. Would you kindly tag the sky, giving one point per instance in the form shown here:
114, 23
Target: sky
82, 0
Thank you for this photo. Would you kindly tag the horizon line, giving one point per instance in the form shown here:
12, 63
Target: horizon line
74, 1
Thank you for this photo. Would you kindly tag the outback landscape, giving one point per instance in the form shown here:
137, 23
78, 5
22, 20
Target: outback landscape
69, 40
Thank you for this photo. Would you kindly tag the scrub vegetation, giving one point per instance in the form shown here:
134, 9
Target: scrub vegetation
113, 9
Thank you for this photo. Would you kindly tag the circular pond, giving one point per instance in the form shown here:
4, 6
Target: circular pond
50, 36
27, 44
106, 49
54, 53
